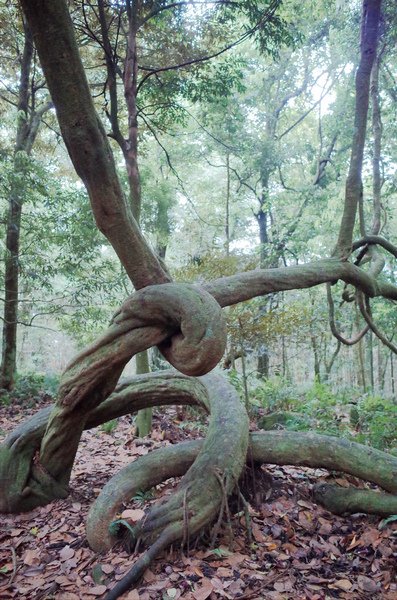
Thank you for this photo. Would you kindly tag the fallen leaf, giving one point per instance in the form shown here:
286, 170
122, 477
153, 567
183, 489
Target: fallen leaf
15, 532
133, 595
366, 584
107, 569
342, 584
204, 591
133, 514
98, 590
31, 557
149, 576
66, 553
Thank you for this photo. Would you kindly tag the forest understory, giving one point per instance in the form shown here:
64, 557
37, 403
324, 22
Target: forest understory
288, 547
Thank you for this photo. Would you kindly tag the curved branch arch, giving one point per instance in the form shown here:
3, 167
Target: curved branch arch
334, 330
365, 309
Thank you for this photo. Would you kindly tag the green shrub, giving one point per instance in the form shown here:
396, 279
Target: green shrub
29, 388
109, 426
377, 422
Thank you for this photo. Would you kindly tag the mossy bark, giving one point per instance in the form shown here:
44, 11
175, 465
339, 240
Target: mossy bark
222, 455
184, 321
340, 500
143, 421
277, 447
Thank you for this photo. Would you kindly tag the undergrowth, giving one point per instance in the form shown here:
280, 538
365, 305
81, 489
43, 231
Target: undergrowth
276, 403
29, 389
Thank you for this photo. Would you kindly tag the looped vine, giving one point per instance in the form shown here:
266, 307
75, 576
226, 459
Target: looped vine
185, 321
187, 324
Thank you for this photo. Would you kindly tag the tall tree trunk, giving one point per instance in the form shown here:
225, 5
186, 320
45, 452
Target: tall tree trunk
371, 359
354, 186
144, 416
263, 351
27, 127
227, 207
317, 374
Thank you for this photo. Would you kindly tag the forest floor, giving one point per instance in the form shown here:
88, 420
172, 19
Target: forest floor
297, 550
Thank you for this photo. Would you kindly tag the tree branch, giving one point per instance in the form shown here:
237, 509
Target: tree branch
365, 309
154, 70
331, 317
86, 140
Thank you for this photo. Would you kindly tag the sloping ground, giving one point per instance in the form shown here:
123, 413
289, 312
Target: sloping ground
292, 549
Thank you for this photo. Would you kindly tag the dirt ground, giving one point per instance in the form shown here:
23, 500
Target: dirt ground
288, 547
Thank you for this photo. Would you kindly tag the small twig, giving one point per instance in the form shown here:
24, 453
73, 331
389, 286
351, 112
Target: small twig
138, 568
246, 515
224, 509
14, 565
186, 535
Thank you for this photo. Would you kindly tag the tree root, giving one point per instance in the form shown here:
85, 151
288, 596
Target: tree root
223, 452
340, 500
24, 486
141, 475
199, 496
281, 447
335, 454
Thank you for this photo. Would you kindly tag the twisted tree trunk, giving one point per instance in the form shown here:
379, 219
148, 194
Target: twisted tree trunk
186, 324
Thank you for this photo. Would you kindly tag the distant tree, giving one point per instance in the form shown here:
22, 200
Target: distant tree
186, 323
31, 105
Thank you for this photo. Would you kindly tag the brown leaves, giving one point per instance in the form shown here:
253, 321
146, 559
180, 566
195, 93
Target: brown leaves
298, 550
66, 553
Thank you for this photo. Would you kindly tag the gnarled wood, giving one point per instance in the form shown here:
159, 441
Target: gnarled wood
86, 140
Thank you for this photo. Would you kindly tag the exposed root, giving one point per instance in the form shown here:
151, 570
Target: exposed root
25, 484
138, 568
217, 462
340, 500
223, 451
143, 474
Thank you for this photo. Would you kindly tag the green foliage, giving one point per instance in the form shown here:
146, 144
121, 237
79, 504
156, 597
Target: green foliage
29, 388
365, 418
142, 497
109, 426
386, 521
211, 265
221, 552
193, 425
377, 422
115, 527
274, 394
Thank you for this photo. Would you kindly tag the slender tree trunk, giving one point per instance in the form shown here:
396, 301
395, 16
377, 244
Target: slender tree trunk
227, 208
317, 374
361, 366
243, 366
27, 128
371, 359
9, 347
130, 149
354, 186
144, 416
263, 351
379, 352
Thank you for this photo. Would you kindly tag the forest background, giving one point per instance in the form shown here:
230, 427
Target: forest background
242, 157
232, 126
